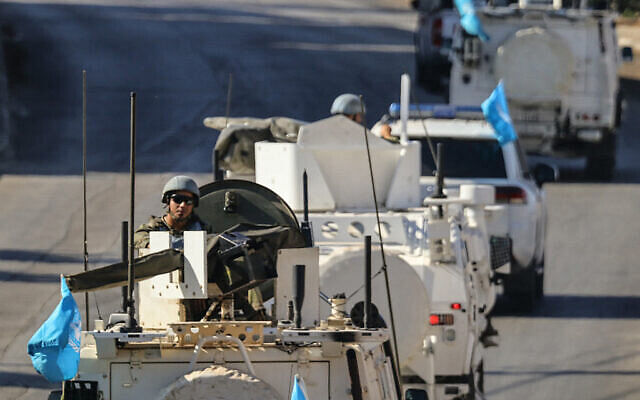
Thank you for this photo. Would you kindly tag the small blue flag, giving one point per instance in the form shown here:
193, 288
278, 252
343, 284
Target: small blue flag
469, 20
298, 392
55, 347
496, 112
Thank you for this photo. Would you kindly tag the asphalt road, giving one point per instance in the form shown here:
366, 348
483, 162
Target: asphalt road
287, 58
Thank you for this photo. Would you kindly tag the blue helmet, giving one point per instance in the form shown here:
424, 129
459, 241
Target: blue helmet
180, 182
349, 104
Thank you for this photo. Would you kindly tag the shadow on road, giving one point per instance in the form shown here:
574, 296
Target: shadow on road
560, 306
283, 63
21, 379
31, 255
564, 372
6, 276
533, 376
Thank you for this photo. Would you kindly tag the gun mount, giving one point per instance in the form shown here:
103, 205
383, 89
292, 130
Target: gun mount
181, 355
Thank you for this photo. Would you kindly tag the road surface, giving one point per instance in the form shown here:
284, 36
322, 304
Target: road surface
288, 58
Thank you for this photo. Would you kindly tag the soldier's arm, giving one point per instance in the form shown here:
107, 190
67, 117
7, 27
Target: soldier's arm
141, 237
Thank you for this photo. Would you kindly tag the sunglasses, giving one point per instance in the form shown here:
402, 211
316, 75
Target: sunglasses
179, 199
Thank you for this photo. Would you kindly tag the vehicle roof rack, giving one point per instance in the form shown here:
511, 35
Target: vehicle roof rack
442, 111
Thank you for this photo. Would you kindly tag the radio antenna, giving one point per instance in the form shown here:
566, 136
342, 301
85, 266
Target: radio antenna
396, 359
432, 149
229, 88
132, 325
84, 192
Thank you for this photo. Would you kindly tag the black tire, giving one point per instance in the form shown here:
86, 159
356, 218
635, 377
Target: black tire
540, 284
601, 160
476, 382
618, 112
419, 72
427, 77
55, 395
480, 377
521, 290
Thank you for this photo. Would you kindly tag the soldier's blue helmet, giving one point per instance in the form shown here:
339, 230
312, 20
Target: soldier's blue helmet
180, 182
349, 104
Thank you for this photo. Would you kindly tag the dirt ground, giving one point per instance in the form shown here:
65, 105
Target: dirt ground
629, 35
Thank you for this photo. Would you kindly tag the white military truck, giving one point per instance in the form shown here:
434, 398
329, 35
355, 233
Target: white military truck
436, 250
559, 68
474, 156
195, 341
437, 22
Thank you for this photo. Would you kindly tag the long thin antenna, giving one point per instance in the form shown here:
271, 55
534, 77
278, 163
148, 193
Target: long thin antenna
124, 242
132, 175
384, 260
229, 88
424, 127
84, 192
367, 282
305, 226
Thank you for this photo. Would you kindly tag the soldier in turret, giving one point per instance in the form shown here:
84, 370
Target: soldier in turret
180, 196
350, 106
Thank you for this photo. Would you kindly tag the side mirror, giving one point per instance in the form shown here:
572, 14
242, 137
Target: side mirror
626, 53
415, 4
543, 173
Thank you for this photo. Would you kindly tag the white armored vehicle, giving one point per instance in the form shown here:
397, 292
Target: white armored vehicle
559, 68
436, 254
474, 156
197, 339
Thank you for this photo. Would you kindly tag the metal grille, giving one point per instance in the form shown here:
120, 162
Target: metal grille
500, 251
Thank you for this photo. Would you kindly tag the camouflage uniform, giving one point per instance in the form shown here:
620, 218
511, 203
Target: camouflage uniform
141, 236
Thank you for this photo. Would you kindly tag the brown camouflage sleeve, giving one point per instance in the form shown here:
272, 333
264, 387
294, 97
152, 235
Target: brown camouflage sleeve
141, 235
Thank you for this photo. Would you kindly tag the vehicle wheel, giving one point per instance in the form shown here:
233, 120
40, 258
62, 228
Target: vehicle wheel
55, 395
230, 384
601, 160
619, 108
540, 283
521, 289
420, 72
426, 76
476, 382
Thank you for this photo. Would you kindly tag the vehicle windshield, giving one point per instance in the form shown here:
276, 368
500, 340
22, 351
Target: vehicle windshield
465, 158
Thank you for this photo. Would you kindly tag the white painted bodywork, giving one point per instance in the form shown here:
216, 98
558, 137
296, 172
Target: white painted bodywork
557, 65
523, 223
337, 177
158, 298
144, 365
287, 259
143, 371
427, 252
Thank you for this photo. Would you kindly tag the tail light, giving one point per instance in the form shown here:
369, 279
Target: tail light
441, 319
510, 195
456, 306
436, 32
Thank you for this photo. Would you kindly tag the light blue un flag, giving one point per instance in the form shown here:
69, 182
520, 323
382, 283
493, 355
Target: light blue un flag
55, 347
496, 112
469, 20
298, 392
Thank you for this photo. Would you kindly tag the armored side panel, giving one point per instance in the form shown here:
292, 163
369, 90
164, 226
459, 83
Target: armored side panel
334, 154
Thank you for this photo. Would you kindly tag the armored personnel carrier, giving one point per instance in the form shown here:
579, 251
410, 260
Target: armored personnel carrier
559, 68
435, 251
197, 338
